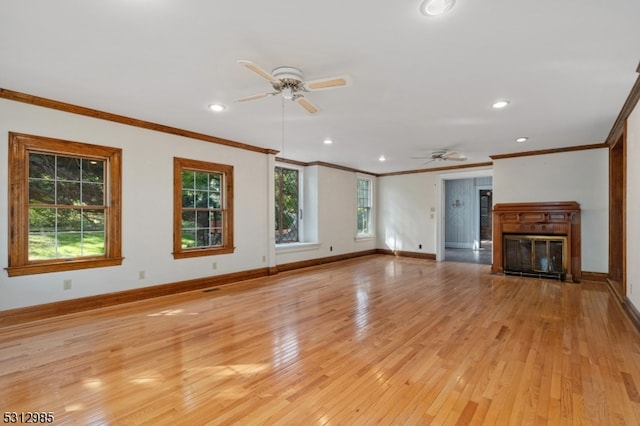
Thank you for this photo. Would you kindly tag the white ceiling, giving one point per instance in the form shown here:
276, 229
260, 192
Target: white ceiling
419, 83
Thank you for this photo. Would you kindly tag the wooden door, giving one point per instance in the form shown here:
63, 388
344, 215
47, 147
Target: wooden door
485, 215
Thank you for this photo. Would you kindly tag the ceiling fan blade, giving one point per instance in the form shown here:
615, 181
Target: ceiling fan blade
258, 96
307, 105
262, 73
328, 83
453, 155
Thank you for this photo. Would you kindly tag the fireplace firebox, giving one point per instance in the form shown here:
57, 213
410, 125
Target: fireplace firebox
535, 255
537, 239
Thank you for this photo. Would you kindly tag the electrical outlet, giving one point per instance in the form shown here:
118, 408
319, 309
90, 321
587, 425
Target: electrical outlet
264, 259
214, 265
330, 248
420, 246
141, 275
66, 284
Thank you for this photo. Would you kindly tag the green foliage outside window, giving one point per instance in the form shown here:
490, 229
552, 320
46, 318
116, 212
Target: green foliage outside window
66, 207
202, 214
287, 205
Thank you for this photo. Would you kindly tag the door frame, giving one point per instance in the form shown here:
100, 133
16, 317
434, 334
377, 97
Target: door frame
440, 199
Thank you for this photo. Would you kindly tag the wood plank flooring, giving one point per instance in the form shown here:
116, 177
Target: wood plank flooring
374, 340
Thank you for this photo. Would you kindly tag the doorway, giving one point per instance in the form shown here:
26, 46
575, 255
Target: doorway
462, 205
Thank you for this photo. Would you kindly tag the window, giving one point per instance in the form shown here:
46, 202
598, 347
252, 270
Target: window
364, 212
287, 191
64, 205
203, 208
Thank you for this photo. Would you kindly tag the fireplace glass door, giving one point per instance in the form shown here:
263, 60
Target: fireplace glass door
536, 255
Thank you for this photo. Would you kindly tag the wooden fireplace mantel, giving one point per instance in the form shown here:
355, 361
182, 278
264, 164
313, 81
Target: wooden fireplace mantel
551, 218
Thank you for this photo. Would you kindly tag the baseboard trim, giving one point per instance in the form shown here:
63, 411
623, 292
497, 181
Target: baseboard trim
416, 255
321, 261
612, 284
632, 312
625, 304
600, 277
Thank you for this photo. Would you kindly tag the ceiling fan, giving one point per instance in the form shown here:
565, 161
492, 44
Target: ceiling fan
289, 82
442, 155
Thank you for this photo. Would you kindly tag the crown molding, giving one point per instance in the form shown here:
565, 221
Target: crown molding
439, 169
121, 119
550, 151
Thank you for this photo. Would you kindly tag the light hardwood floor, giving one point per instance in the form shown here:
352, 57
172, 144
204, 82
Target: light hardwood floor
374, 340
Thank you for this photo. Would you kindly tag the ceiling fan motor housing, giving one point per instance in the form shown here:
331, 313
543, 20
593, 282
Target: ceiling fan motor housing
289, 81
287, 73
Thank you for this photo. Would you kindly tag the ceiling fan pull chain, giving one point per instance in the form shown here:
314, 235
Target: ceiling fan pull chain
282, 126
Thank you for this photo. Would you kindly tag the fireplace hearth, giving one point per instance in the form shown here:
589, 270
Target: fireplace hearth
537, 239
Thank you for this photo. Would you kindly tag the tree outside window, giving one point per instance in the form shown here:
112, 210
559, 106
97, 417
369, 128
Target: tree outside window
203, 208
287, 223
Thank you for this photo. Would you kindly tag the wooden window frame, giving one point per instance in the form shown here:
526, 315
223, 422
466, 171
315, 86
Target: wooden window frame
20, 145
370, 233
180, 164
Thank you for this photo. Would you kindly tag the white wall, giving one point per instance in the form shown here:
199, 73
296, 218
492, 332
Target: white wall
581, 176
147, 225
633, 207
405, 216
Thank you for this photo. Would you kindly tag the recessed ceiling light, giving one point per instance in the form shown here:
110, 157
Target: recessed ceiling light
328, 141
217, 107
523, 139
500, 104
436, 7
382, 158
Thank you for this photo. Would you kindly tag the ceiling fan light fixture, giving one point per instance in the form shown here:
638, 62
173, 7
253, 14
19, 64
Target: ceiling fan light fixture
287, 93
436, 7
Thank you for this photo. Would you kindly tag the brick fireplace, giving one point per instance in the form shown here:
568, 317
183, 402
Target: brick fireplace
537, 239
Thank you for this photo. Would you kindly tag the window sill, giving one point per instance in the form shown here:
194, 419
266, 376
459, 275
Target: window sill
296, 247
71, 265
205, 251
362, 238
